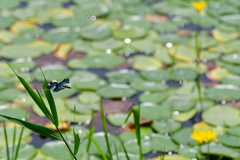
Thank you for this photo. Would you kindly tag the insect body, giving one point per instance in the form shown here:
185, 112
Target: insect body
59, 85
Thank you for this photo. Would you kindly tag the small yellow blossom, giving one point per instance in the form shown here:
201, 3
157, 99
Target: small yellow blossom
204, 136
199, 5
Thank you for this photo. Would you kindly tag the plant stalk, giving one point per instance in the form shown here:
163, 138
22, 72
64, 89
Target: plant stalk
66, 144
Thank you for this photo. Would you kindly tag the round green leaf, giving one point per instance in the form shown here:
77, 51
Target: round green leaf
153, 97
180, 103
233, 80
81, 108
116, 91
89, 97
155, 112
165, 126
52, 72
222, 116
166, 27
142, 85
223, 92
26, 151
57, 150
155, 75
95, 32
181, 74
229, 140
190, 152
9, 94
77, 64
131, 32
121, 76
220, 150
184, 116
183, 136
23, 63
163, 143
232, 58
132, 146
6, 21
118, 119
60, 35
103, 61
108, 44
235, 131
5, 4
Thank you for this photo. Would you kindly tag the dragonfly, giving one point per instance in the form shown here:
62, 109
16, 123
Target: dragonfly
59, 85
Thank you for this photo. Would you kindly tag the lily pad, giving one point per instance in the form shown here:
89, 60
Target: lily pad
163, 143
222, 116
224, 36
223, 92
184, 116
26, 152
142, 85
95, 32
89, 97
165, 126
229, 140
131, 32
100, 139
181, 74
180, 103
155, 112
232, 58
108, 44
118, 119
11, 112
153, 97
233, 131
183, 136
9, 94
75, 22
103, 61
82, 108
173, 157
183, 53
60, 35
232, 80
220, 150
190, 152
132, 146
52, 72
164, 27
231, 19
5, 4
23, 63
155, 75
57, 150
116, 91
121, 76
6, 21
145, 62
77, 64
146, 45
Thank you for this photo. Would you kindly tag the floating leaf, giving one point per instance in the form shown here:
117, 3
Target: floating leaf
163, 143
222, 116
165, 126
145, 62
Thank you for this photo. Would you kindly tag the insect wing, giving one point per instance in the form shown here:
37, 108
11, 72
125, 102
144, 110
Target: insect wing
58, 88
64, 82
51, 85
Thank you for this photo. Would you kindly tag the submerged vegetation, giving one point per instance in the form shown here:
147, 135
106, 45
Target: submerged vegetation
149, 79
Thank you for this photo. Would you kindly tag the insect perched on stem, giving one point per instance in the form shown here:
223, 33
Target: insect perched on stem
59, 85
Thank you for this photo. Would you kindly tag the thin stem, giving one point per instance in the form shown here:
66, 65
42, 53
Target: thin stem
208, 150
66, 143
19, 143
90, 127
6, 140
14, 138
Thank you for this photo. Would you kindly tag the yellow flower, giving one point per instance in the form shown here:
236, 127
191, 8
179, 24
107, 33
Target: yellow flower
199, 5
204, 136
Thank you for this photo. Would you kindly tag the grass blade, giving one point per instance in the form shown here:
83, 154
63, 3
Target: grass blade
136, 114
91, 131
50, 100
6, 140
125, 151
129, 114
76, 142
106, 132
14, 139
34, 96
36, 128
19, 143
116, 151
95, 143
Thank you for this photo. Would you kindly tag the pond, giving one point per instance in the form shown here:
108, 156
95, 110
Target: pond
173, 63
